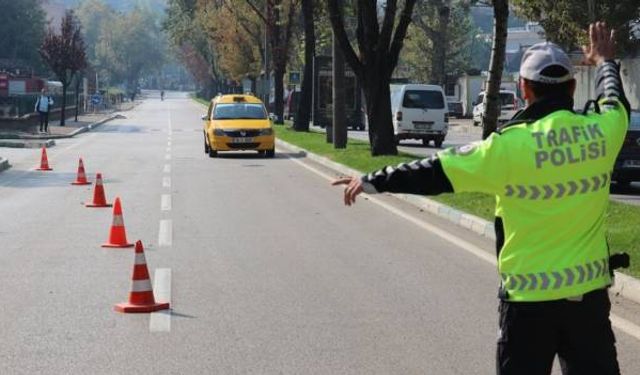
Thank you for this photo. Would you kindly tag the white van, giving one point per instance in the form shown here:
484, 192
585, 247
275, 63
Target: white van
509, 106
419, 112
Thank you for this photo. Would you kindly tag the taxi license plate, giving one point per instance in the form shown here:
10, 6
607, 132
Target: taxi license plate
631, 163
242, 140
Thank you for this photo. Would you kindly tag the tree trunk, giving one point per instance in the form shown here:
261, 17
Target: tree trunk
492, 94
378, 96
279, 92
438, 66
64, 103
339, 119
303, 115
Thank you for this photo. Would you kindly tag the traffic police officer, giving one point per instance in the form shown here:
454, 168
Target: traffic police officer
550, 170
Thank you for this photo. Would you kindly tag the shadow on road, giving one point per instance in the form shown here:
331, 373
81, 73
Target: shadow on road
117, 128
252, 155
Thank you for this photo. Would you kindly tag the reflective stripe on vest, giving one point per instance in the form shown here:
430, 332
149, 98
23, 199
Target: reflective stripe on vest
571, 276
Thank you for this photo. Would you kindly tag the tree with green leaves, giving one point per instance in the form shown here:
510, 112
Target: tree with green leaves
439, 40
130, 47
64, 53
380, 33
565, 21
279, 19
95, 16
22, 26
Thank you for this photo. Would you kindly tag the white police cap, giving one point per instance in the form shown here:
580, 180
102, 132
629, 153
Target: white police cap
541, 56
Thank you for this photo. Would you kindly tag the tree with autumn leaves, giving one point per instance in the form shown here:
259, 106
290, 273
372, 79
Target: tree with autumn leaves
64, 53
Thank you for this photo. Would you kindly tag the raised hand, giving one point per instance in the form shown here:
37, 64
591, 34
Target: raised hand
602, 45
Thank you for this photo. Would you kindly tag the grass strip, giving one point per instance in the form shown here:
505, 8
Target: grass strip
622, 220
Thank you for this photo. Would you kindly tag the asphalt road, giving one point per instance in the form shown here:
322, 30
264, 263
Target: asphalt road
266, 270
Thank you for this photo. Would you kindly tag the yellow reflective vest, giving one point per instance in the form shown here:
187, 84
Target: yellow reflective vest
551, 182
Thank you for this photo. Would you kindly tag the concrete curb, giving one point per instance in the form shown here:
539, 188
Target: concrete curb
27, 143
625, 286
61, 136
4, 164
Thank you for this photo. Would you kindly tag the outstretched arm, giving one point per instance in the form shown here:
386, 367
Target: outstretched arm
425, 177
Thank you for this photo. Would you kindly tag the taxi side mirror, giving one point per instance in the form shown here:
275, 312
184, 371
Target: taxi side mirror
204, 117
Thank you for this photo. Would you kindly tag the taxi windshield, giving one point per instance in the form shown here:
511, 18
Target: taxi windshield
236, 111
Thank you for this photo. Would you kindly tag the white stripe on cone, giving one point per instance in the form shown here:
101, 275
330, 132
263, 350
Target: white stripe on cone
140, 259
118, 221
141, 285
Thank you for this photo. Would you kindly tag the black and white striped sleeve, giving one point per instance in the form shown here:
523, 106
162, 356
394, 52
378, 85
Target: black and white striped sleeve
609, 88
424, 177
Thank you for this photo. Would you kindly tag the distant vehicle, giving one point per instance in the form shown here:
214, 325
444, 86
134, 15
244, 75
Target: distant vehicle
238, 122
509, 105
322, 112
455, 108
291, 105
627, 166
419, 112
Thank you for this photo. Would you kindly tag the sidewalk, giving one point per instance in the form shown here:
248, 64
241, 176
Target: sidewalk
71, 128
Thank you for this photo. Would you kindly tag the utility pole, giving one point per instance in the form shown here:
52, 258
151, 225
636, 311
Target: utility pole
339, 120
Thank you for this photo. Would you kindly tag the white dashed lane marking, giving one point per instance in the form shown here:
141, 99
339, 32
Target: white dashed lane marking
167, 168
165, 235
165, 202
166, 182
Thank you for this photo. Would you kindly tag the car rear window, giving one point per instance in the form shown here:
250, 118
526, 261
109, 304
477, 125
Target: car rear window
505, 98
239, 111
635, 121
423, 99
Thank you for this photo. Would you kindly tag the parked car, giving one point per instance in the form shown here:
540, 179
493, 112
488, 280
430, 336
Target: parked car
627, 166
509, 105
455, 108
238, 122
419, 112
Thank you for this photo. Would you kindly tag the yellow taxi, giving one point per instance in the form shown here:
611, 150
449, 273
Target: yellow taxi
238, 122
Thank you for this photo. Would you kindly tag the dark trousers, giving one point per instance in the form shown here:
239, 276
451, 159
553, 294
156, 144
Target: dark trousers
533, 333
44, 121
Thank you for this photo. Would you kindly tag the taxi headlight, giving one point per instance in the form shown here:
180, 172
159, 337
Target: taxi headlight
267, 131
218, 132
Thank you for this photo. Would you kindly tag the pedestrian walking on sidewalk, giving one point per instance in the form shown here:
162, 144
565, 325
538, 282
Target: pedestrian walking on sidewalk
43, 107
550, 170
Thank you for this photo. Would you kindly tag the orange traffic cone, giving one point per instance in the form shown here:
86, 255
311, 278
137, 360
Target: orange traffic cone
141, 298
81, 178
99, 200
117, 235
44, 161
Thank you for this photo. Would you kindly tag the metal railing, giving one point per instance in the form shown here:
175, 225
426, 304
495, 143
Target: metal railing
21, 105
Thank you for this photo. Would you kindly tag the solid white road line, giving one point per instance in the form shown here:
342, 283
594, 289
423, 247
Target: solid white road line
165, 202
160, 321
618, 322
167, 168
166, 182
165, 235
